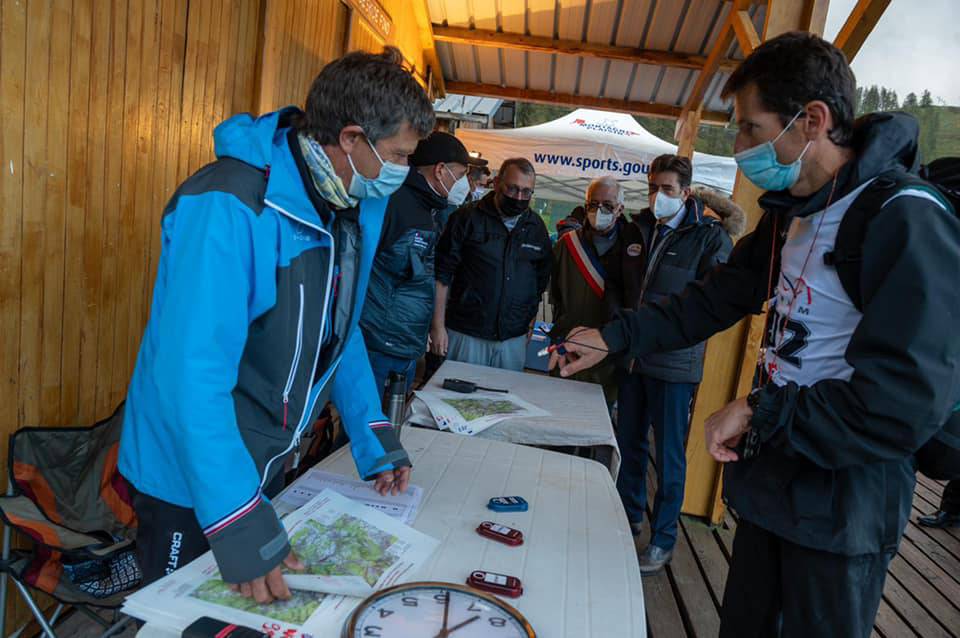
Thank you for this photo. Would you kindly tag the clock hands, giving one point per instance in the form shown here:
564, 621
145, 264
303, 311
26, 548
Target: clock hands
463, 624
446, 632
446, 613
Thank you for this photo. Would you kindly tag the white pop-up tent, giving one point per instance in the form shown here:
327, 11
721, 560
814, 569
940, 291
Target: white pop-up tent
571, 151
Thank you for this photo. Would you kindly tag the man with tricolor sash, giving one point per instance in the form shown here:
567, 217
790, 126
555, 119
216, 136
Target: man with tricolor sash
586, 287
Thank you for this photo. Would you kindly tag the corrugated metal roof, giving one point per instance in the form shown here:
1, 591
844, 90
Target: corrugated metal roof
467, 105
682, 26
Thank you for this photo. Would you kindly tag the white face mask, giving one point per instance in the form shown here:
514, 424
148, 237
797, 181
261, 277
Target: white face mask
457, 193
601, 219
665, 206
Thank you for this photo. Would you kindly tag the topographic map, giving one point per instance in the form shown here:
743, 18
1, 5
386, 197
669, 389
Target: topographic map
295, 611
347, 547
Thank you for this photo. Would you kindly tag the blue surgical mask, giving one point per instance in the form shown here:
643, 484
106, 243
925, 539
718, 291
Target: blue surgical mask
760, 164
391, 177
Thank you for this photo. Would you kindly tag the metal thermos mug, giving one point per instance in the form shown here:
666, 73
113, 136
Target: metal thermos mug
396, 399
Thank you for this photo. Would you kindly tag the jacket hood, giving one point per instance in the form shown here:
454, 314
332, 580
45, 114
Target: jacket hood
250, 139
881, 142
420, 188
732, 218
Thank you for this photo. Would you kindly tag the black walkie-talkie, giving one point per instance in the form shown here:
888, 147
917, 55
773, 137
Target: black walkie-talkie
207, 627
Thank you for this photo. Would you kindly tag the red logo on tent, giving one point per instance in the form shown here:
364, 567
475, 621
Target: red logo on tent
604, 127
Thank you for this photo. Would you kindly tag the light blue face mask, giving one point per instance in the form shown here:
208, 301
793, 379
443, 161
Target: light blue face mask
391, 177
760, 164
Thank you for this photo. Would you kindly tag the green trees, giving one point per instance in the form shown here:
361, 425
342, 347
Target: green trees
939, 125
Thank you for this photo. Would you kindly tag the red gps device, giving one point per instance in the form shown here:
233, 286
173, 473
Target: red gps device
500, 533
496, 583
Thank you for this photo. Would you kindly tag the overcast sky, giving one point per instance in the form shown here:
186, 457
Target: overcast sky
915, 46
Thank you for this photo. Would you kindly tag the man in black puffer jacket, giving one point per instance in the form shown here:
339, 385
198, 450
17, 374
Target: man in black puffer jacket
493, 264
678, 239
399, 305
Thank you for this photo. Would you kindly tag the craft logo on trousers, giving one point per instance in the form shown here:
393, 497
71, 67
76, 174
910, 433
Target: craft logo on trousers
174, 561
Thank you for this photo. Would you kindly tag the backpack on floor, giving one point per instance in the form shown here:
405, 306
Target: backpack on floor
939, 180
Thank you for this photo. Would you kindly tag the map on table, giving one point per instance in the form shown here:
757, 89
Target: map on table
295, 611
349, 549
473, 413
350, 546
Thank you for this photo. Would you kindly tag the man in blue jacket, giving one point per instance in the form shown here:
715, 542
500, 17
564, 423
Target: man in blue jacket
396, 317
263, 271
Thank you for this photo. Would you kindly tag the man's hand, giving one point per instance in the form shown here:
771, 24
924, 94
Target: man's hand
724, 429
392, 481
439, 340
585, 349
271, 587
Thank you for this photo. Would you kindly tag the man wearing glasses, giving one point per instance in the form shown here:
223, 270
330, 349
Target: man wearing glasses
493, 265
586, 288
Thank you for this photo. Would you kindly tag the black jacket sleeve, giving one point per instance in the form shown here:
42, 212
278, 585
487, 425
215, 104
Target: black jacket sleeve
451, 244
904, 352
545, 262
556, 295
727, 293
716, 252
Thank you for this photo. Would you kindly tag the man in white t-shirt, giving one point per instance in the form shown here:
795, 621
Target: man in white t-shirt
843, 399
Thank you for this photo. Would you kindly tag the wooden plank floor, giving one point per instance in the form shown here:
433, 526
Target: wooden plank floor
921, 595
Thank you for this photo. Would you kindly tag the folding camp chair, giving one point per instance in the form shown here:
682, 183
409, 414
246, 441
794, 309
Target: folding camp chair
67, 496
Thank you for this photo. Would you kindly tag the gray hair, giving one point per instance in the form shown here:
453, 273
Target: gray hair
606, 180
371, 90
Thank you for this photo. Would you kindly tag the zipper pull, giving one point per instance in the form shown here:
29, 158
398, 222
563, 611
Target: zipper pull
296, 453
286, 400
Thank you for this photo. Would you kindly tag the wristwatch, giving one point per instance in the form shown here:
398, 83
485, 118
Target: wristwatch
750, 444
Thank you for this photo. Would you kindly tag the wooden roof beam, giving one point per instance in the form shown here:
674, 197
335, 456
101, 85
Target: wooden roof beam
745, 31
712, 64
860, 23
566, 99
540, 44
421, 14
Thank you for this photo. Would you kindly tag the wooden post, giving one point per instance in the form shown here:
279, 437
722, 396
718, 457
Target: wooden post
732, 355
689, 127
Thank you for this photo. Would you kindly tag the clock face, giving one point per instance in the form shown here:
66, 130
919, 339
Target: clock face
417, 611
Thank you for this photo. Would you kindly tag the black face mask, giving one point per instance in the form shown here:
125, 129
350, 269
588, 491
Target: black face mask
512, 207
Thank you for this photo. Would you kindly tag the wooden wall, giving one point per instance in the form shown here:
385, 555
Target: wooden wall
105, 106
363, 37
300, 37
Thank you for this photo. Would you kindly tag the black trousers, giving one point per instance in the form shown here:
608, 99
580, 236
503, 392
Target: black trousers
950, 502
169, 536
776, 588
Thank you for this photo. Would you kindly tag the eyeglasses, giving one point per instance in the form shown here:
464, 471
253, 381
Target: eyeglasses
517, 192
610, 206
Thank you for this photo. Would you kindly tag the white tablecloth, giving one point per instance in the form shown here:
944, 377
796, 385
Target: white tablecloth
578, 563
579, 415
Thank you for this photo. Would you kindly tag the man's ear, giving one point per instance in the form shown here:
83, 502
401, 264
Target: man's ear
818, 120
350, 136
687, 191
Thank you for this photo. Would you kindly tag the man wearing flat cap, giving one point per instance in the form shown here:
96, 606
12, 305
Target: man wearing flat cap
399, 305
